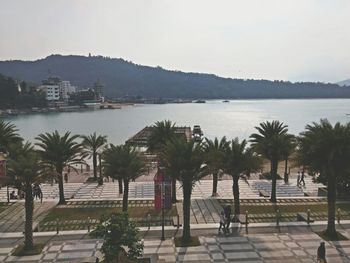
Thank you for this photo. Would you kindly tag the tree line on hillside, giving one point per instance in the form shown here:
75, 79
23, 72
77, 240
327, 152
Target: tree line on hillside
19, 95
323, 149
123, 78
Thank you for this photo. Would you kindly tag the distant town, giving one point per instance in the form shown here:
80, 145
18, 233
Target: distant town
61, 96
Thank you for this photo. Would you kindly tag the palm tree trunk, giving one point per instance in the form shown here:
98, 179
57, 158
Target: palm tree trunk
215, 184
28, 228
286, 178
125, 195
62, 200
235, 190
100, 181
274, 165
120, 185
186, 232
331, 198
94, 164
173, 191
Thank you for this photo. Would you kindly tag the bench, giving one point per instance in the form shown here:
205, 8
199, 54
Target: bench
264, 193
303, 217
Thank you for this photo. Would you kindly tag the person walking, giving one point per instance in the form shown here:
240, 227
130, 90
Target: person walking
222, 221
227, 211
321, 253
298, 178
302, 177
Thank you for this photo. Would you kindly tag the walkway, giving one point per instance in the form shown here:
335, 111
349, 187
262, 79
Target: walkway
202, 190
257, 248
12, 219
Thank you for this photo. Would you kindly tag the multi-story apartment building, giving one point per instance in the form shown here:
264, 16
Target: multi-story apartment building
52, 92
56, 89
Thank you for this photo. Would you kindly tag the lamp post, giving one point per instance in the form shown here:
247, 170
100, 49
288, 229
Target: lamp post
163, 201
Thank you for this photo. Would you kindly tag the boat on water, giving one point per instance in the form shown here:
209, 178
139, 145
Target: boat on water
225, 101
200, 101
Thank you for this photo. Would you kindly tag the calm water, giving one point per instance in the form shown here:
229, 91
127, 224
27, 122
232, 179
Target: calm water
234, 119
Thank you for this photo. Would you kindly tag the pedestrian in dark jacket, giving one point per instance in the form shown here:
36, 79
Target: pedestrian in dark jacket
321, 253
227, 211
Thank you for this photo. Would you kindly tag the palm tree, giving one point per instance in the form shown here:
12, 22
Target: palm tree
26, 169
92, 145
325, 149
214, 156
239, 159
289, 149
123, 162
162, 132
185, 161
57, 152
8, 136
270, 142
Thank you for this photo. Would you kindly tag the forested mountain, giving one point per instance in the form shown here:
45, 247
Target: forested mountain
122, 78
344, 82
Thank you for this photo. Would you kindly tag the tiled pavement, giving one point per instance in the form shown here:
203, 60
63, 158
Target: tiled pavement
202, 189
12, 219
263, 248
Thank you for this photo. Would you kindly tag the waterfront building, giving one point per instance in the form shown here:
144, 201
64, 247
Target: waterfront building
52, 92
57, 89
66, 89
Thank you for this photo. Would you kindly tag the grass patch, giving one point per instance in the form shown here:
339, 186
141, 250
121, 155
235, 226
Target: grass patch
97, 212
77, 218
295, 208
337, 237
20, 251
194, 242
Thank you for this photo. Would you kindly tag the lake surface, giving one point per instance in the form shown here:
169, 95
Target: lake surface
234, 119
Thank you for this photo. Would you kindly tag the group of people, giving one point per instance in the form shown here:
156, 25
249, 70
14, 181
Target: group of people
37, 193
225, 220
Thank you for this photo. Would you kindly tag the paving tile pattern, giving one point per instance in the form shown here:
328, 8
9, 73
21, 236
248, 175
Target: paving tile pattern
263, 248
109, 190
12, 219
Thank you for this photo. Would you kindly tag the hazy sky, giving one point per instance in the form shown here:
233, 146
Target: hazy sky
271, 39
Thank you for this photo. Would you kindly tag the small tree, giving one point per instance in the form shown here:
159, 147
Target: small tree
325, 149
120, 236
92, 145
214, 155
123, 162
270, 142
8, 136
57, 152
25, 167
162, 132
239, 159
186, 162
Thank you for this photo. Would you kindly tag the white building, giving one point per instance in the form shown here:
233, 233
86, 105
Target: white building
52, 92
65, 89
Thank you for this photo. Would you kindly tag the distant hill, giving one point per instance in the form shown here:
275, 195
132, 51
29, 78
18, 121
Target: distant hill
122, 78
344, 82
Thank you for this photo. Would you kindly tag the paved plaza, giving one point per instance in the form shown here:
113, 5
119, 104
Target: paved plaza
259, 246
248, 248
203, 189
